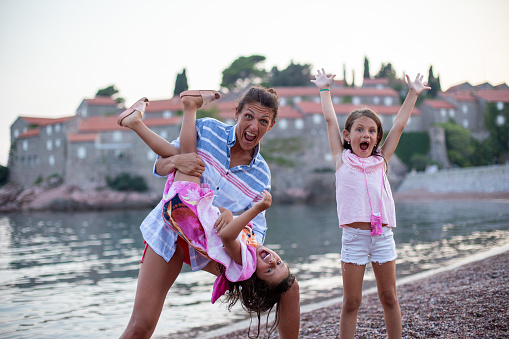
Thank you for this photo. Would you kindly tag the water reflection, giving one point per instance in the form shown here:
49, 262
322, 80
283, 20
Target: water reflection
64, 273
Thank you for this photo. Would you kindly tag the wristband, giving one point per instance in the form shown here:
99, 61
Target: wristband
325, 89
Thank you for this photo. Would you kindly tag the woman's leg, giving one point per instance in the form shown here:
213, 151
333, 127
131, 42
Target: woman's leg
159, 145
386, 285
154, 281
353, 275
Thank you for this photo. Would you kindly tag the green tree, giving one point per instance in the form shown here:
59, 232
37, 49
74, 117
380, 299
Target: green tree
293, 75
434, 83
497, 123
353, 79
283, 152
111, 92
107, 91
244, 71
386, 71
181, 83
344, 75
4, 174
366, 68
460, 145
127, 182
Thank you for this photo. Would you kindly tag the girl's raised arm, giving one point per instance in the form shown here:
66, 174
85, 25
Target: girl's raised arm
336, 146
229, 232
414, 89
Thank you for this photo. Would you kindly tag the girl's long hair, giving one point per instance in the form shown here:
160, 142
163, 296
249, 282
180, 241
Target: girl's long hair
257, 296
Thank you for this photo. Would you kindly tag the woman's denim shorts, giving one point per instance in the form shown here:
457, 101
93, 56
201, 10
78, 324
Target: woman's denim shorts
360, 248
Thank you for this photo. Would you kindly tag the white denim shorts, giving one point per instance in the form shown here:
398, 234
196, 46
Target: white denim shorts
360, 247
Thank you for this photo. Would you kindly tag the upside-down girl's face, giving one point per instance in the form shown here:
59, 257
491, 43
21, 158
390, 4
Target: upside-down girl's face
362, 136
269, 266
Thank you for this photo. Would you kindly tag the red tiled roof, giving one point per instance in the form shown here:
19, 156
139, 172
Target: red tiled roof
461, 96
45, 121
457, 87
288, 112
163, 121
500, 95
99, 124
173, 104
102, 124
348, 91
101, 101
438, 104
375, 81
316, 108
34, 132
73, 137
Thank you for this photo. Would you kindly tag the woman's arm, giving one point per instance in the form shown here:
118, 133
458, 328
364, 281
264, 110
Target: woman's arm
189, 163
414, 89
230, 232
336, 146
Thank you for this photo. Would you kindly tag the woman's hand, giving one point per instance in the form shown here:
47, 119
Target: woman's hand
417, 85
189, 163
322, 81
265, 203
224, 219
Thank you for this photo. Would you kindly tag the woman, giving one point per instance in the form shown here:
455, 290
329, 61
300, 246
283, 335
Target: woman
235, 170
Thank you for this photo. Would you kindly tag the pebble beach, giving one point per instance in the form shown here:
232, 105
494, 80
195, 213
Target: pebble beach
470, 301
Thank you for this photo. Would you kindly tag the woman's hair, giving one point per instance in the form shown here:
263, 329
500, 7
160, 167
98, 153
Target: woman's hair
257, 296
364, 112
263, 96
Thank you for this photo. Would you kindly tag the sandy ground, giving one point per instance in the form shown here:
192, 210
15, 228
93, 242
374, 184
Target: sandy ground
471, 301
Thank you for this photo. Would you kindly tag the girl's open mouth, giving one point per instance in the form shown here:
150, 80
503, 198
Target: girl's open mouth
364, 145
264, 254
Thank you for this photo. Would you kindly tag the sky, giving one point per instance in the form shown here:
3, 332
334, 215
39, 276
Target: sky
55, 53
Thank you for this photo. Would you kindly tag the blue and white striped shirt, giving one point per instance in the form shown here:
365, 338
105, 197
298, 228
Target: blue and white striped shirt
235, 188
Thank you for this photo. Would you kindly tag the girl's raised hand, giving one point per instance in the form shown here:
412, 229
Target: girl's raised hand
417, 85
224, 219
322, 81
265, 203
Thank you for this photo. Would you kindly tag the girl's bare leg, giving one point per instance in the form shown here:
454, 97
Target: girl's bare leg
386, 285
155, 279
353, 275
159, 145
188, 133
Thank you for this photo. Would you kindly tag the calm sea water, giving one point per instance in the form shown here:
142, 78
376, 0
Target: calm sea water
74, 275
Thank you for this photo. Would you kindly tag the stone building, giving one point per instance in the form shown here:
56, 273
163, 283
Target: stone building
87, 148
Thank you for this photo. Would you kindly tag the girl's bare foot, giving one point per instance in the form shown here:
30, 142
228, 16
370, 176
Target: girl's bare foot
133, 114
192, 102
196, 99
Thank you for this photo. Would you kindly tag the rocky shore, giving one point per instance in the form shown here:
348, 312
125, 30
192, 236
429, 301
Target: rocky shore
71, 198
471, 301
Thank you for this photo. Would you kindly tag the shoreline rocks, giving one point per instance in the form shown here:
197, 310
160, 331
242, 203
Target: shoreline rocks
71, 198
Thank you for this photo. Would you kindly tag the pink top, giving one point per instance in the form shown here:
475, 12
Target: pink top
351, 193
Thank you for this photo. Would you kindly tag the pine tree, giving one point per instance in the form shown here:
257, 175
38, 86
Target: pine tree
366, 68
344, 75
181, 83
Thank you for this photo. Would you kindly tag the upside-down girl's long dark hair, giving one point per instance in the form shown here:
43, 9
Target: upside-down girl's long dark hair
257, 296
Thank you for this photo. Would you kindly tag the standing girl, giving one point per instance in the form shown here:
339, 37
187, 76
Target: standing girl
365, 205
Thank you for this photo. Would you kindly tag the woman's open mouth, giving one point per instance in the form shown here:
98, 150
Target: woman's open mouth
249, 136
364, 145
